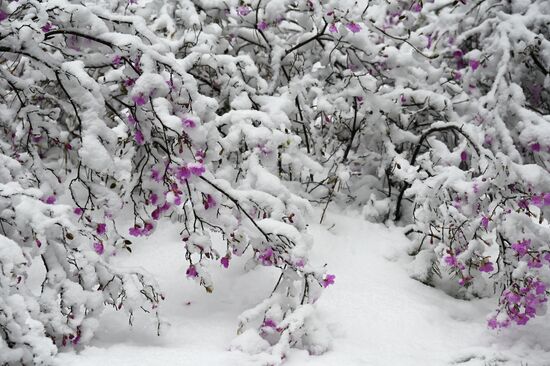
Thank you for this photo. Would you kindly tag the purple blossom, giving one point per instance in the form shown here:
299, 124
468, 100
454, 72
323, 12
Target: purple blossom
269, 323
129, 82
328, 280
537, 201
474, 64
244, 10
101, 229
78, 211
209, 202
225, 261
417, 7
183, 172
3, 15
140, 140
38, 243
535, 147
485, 222
486, 267
147, 229
139, 99
50, 200
197, 169
117, 60
135, 231
131, 119
47, 27
191, 272
155, 175
464, 155
457, 54
188, 123
262, 25
98, 247
521, 247
153, 198
332, 28
353, 27
451, 260
266, 257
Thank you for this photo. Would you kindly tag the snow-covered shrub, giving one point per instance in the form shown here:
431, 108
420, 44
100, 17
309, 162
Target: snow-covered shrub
457, 135
115, 107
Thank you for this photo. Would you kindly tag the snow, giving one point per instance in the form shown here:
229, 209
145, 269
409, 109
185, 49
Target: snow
376, 314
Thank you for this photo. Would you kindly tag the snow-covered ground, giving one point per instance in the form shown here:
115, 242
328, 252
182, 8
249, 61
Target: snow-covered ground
377, 315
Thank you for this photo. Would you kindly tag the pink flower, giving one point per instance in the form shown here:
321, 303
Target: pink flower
353, 27
474, 64
129, 82
546, 199
139, 137
78, 211
225, 261
328, 280
485, 222
135, 231
269, 323
486, 267
540, 287
457, 75
98, 247
464, 155
38, 243
332, 28
262, 25
537, 201
451, 260
182, 173
189, 123
417, 7
101, 229
244, 10
117, 60
300, 263
197, 169
155, 175
534, 263
512, 297
131, 119
209, 202
521, 247
153, 198
266, 257
139, 99
50, 200
3, 15
156, 213
147, 229
191, 272
47, 27
535, 147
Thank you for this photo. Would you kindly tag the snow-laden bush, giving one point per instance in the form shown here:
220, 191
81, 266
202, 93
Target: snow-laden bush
440, 120
112, 108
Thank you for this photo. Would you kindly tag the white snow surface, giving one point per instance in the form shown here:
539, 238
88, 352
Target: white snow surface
376, 313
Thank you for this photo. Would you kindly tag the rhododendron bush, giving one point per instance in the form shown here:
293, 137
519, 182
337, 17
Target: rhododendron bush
229, 118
